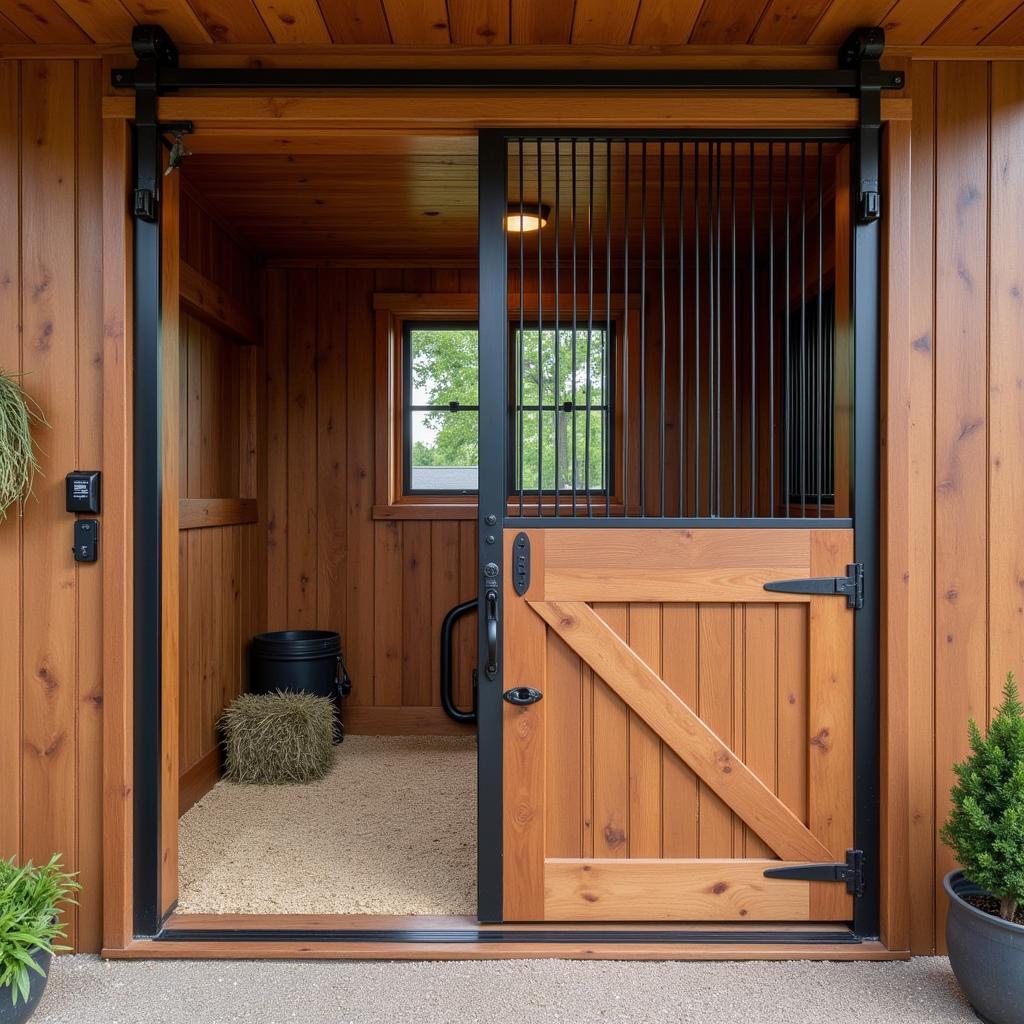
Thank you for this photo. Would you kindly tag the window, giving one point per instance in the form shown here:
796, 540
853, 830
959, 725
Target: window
441, 370
556, 444
553, 443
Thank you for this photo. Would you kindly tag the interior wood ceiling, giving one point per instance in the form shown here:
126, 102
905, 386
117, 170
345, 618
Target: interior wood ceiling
497, 23
416, 201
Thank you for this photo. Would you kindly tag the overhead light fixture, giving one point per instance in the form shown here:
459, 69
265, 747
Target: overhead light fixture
526, 216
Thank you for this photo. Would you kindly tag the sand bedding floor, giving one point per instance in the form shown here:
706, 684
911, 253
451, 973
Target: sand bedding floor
391, 830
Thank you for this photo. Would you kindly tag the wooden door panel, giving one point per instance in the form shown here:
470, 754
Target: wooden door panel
678, 738
655, 890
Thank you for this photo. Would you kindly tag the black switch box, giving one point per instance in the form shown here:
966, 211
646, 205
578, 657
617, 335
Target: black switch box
82, 491
87, 537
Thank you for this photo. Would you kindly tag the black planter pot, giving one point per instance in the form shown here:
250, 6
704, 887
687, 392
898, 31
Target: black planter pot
986, 954
19, 1012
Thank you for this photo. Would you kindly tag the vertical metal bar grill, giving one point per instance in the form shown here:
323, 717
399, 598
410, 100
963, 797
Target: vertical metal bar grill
702, 384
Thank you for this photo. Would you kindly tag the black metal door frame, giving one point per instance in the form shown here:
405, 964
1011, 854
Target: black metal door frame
494, 516
156, 72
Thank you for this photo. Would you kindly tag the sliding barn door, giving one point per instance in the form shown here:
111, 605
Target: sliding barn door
670, 578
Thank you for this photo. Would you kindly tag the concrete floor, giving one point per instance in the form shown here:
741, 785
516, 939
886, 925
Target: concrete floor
86, 990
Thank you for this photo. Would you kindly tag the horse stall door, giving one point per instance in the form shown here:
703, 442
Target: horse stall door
679, 591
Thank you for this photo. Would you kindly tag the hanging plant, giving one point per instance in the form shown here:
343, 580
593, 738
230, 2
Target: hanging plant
18, 463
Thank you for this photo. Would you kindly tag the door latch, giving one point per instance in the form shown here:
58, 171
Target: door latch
522, 696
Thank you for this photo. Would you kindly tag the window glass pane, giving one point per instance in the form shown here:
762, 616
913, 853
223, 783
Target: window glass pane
444, 453
568, 384
444, 365
567, 440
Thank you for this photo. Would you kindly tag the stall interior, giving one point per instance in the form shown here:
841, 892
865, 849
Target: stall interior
677, 347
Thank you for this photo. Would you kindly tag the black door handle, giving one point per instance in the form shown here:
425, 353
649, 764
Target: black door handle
522, 695
491, 600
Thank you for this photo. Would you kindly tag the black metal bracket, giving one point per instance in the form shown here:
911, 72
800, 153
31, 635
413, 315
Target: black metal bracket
850, 586
862, 52
850, 872
521, 564
848, 77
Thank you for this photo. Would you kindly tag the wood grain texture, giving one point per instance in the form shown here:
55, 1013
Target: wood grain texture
524, 760
674, 565
962, 673
666, 890
899, 567
11, 533
690, 738
216, 306
920, 453
475, 26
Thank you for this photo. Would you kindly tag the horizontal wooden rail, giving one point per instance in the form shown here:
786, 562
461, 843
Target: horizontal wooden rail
195, 513
210, 303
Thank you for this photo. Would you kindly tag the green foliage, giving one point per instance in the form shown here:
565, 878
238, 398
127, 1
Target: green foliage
445, 368
985, 828
30, 899
276, 738
18, 464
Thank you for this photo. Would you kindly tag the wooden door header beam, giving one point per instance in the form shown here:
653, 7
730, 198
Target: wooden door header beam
151, 42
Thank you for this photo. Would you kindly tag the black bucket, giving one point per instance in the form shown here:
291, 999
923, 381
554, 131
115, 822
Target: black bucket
301, 661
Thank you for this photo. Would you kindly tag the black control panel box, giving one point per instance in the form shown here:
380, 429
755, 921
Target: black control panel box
87, 540
82, 491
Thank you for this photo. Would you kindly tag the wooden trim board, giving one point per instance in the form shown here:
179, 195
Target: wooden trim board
197, 513
197, 781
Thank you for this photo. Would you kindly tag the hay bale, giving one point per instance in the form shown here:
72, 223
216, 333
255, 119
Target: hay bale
275, 738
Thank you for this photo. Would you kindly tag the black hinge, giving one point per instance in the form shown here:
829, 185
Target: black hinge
850, 586
851, 872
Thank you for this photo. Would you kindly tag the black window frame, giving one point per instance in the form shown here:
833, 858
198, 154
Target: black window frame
605, 325
513, 408
408, 408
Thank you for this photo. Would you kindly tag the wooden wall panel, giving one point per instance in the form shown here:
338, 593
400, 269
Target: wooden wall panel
51, 685
222, 568
384, 585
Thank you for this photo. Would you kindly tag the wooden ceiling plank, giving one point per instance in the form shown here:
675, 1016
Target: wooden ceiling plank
10, 33
231, 21
542, 22
416, 22
665, 22
972, 21
598, 21
294, 21
788, 22
1010, 32
106, 22
42, 21
727, 22
355, 21
479, 22
910, 22
843, 16
176, 16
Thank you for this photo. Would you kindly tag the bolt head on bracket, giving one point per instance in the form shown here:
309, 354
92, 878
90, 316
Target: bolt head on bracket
152, 42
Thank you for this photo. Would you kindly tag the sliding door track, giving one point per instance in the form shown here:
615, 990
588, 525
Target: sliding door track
502, 936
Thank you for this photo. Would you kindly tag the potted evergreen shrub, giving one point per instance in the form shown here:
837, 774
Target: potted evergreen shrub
30, 902
18, 464
985, 923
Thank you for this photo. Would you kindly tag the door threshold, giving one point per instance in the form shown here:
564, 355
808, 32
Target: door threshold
367, 937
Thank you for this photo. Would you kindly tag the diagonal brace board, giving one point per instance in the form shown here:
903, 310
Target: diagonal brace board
639, 686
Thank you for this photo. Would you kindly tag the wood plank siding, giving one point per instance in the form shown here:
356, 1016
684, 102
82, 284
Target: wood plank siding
384, 584
956, 438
